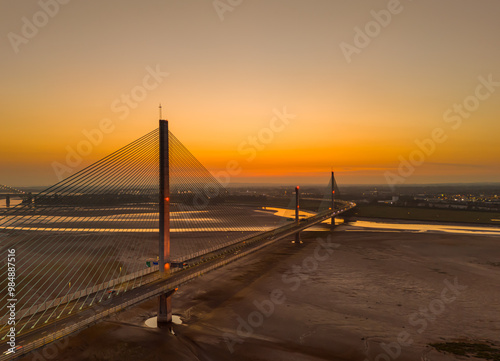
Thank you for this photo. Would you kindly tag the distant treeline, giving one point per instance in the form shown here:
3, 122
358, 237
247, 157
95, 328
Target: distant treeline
247, 198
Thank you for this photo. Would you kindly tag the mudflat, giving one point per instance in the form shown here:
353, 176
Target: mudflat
338, 296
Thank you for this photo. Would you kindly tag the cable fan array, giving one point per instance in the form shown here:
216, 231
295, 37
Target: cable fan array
96, 232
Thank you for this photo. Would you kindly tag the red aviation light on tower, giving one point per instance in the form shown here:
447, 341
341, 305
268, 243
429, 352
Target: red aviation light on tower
167, 199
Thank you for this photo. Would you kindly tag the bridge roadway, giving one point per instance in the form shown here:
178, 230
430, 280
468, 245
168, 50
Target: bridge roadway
41, 333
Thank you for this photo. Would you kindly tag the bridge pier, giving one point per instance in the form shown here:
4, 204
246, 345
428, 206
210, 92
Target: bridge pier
164, 310
7, 201
297, 220
333, 200
30, 200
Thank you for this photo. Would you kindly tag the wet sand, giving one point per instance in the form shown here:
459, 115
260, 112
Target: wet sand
363, 295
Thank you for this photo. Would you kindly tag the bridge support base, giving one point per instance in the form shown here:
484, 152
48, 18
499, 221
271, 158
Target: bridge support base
333, 223
164, 310
297, 238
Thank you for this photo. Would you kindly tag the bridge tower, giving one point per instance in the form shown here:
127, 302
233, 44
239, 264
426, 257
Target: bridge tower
164, 300
333, 199
297, 209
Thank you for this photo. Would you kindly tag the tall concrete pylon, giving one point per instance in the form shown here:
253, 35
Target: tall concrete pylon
164, 301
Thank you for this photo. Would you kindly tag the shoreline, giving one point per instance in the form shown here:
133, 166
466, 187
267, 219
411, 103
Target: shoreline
430, 222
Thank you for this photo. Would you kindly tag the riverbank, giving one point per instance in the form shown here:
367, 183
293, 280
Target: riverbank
364, 224
426, 214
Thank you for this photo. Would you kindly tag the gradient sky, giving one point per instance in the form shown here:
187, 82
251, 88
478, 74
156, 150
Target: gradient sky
226, 78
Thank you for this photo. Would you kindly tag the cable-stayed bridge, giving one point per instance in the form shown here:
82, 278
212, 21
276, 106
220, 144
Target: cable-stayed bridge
133, 226
9, 193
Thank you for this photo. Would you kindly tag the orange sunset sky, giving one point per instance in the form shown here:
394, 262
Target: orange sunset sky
230, 67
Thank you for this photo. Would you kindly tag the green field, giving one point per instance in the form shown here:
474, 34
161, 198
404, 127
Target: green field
425, 214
